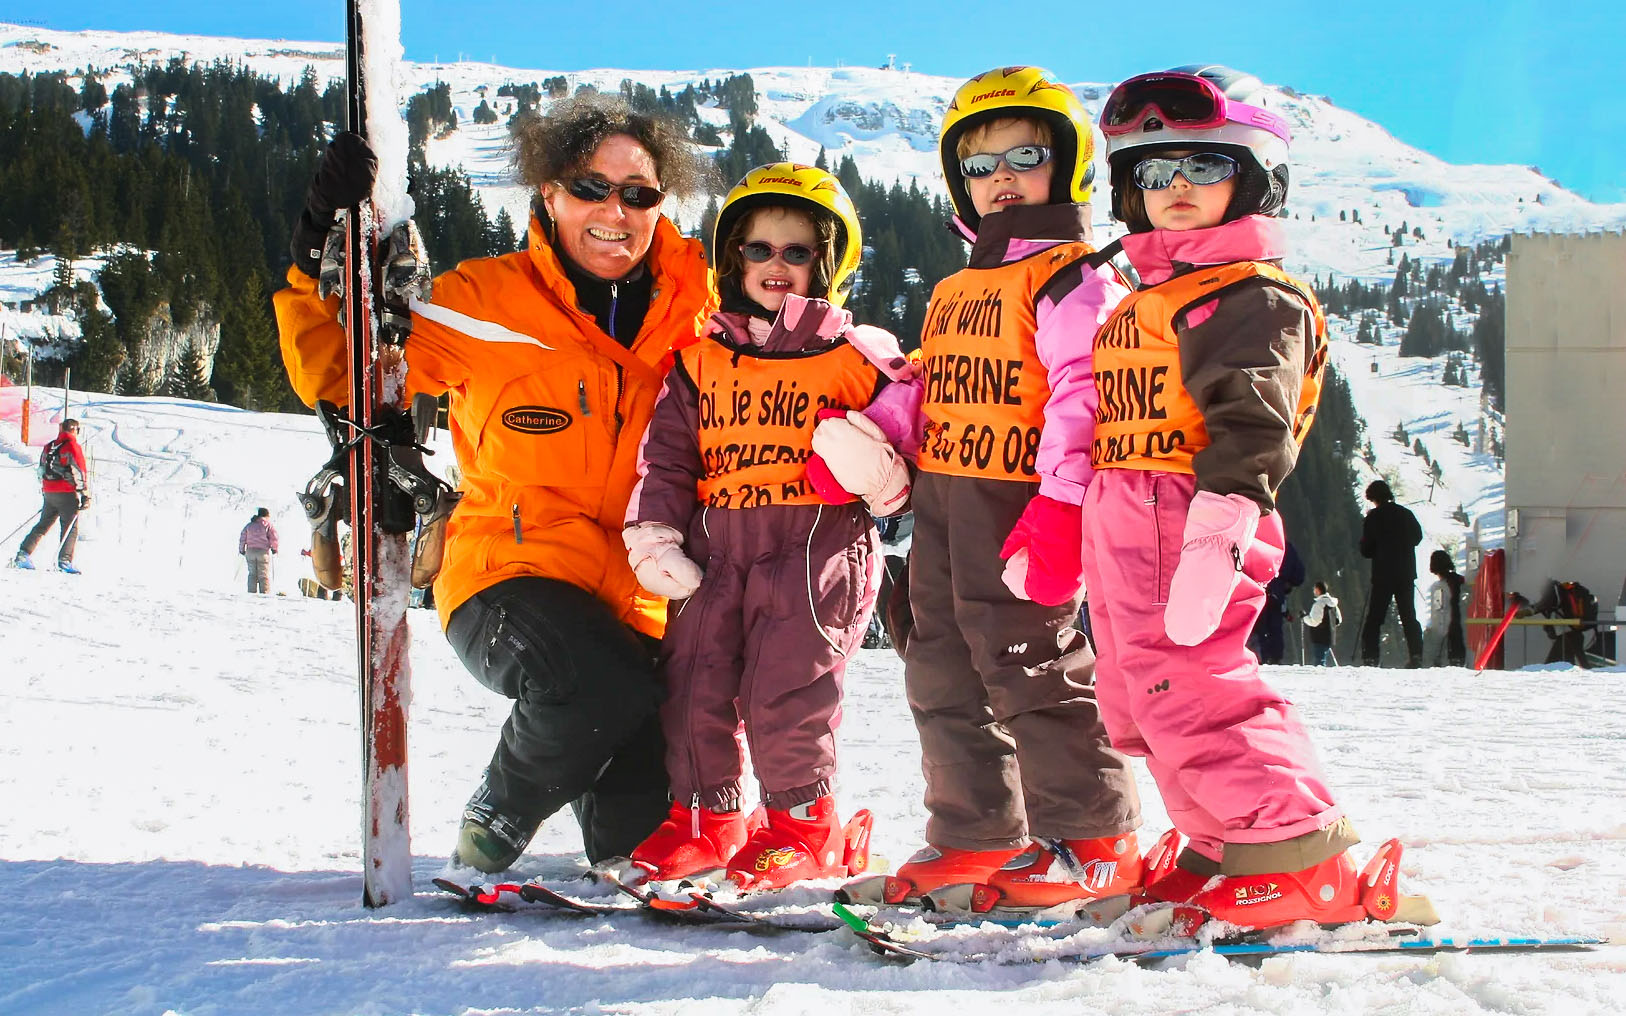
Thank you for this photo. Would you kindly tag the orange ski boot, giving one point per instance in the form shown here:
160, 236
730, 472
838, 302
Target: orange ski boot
804, 842
934, 867
1048, 873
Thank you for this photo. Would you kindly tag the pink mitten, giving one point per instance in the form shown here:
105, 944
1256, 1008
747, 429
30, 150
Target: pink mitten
859, 457
655, 553
1219, 531
1044, 555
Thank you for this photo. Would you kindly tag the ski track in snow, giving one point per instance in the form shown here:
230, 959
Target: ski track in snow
179, 762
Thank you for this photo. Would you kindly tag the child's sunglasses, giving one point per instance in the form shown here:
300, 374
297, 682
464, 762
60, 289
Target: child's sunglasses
758, 252
591, 188
1021, 159
1201, 169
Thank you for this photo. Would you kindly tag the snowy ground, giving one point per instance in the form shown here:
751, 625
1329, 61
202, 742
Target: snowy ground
179, 767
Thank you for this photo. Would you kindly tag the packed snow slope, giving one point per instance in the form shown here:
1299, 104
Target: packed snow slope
179, 766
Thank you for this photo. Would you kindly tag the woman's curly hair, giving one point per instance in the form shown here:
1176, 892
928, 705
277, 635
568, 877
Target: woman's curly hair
560, 144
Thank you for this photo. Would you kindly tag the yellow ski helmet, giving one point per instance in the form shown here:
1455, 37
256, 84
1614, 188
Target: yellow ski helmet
1012, 92
788, 184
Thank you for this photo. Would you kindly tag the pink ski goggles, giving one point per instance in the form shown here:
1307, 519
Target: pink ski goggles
1182, 102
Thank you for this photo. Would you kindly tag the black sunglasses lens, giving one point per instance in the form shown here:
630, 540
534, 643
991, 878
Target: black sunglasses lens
589, 188
640, 197
797, 254
756, 251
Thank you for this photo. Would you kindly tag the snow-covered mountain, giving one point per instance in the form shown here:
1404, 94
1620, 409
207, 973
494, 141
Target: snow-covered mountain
1354, 185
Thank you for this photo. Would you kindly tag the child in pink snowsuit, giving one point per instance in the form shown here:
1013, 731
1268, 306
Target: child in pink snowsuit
1208, 378
772, 444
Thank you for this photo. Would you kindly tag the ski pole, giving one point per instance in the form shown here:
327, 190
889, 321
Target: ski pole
1360, 629
66, 533
26, 522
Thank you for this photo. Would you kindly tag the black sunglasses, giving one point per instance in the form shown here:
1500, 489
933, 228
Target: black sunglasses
1021, 159
761, 252
591, 188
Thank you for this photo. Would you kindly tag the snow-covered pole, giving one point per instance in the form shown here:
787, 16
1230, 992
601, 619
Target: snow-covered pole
381, 560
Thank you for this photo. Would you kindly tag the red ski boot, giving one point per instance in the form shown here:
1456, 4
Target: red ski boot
803, 842
1327, 893
1166, 881
691, 841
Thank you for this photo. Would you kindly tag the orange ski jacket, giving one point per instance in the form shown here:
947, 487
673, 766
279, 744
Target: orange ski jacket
547, 411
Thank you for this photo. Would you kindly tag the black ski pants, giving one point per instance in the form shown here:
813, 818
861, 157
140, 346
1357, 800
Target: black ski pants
584, 729
1404, 594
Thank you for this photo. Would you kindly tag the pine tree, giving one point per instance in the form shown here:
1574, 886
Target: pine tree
186, 379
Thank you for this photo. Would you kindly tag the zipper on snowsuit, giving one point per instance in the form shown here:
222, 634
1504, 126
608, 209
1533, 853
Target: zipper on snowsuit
519, 533
581, 396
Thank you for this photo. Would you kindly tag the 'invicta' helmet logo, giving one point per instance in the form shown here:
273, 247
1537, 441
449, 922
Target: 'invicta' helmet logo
536, 419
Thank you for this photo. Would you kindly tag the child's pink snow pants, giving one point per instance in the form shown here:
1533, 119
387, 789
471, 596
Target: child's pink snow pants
1230, 755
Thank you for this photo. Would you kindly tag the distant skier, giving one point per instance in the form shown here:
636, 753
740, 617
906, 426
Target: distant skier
1269, 634
1389, 536
1321, 621
66, 492
256, 543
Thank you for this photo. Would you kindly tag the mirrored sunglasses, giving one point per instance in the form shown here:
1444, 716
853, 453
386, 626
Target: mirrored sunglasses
760, 252
591, 188
1201, 169
1021, 159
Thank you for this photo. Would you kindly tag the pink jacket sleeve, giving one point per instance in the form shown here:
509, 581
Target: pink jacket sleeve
896, 407
1070, 310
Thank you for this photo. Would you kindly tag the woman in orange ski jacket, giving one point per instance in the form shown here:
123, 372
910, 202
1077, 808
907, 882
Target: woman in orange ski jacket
552, 357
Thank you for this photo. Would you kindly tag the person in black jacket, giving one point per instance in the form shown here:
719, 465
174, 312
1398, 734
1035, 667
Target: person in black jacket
1390, 536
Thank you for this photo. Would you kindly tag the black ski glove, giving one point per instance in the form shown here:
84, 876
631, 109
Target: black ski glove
344, 176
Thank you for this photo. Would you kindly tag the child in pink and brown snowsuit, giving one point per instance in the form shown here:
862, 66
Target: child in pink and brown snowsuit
1208, 379
759, 477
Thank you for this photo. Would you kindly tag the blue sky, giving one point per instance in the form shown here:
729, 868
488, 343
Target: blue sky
1502, 81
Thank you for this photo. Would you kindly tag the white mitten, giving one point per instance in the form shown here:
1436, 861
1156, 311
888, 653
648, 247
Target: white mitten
655, 553
1219, 531
863, 461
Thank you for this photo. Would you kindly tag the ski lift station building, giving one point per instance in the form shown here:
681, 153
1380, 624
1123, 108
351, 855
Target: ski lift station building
1565, 440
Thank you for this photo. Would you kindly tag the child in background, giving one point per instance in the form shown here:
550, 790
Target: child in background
1321, 623
1208, 379
761, 532
1443, 641
1029, 806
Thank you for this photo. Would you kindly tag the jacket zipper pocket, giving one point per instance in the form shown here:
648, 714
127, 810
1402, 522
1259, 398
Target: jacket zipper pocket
812, 604
519, 532
1157, 545
581, 396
